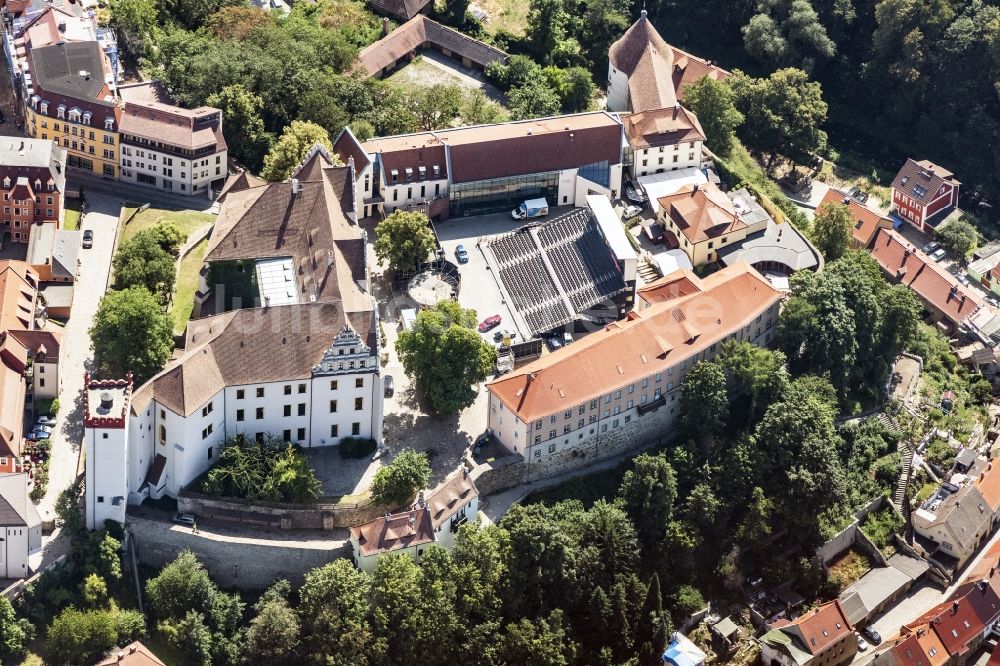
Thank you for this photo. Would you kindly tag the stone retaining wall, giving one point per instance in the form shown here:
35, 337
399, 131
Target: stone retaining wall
274, 516
232, 563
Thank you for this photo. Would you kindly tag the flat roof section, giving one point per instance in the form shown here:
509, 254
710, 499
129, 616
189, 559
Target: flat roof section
658, 185
276, 281
611, 227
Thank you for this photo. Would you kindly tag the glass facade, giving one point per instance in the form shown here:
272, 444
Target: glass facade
598, 172
497, 195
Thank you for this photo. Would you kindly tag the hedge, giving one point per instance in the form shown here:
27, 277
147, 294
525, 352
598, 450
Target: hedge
357, 447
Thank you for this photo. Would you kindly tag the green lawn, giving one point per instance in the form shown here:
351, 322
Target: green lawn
188, 221
71, 221
509, 15
187, 285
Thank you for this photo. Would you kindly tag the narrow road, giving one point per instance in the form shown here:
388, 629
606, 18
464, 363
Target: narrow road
75, 353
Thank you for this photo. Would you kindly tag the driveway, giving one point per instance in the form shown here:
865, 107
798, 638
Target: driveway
75, 352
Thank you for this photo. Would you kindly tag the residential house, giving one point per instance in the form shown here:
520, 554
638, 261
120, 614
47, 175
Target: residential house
307, 322
820, 637
986, 271
646, 73
866, 221
488, 168
432, 520
72, 103
33, 181
947, 302
29, 357
622, 383
172, 149
419, 33
703, 220
988, 482
923, 194
682, 652
20, 526
55, 255
133, 654
663, 140
951, 529
922, 647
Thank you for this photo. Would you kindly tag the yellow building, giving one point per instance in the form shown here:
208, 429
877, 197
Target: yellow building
72, 104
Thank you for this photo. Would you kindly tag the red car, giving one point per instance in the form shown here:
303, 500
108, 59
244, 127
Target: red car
489, 323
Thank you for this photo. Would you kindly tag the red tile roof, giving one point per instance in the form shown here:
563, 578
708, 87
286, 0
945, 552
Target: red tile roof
989, 487
190, 129
820, 627
922, 181
647, 342
662, 127
866, 221
135, 654
702, 212
392, 532
934, 285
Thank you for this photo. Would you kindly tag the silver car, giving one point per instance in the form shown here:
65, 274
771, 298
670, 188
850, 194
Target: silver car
630, 212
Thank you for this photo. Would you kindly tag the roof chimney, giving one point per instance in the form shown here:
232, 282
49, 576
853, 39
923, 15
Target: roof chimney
121, 656
954, 608
295, 186
385, 26
106, 401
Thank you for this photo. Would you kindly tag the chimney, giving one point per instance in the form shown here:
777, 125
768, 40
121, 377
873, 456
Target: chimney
954, 608
385, 26
295, 186
106, 401
121, 656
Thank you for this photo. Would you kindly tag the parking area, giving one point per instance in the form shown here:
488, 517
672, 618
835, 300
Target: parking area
481, 289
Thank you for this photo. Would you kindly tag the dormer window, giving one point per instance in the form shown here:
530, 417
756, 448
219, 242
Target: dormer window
6, 182
109, 123
423, 172
45, 108
437, 171
51, 184
61, 111
86, 117
74, 115
409, 174
38, 184
395, 175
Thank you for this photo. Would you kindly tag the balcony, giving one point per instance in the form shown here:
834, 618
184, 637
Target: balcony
651, 406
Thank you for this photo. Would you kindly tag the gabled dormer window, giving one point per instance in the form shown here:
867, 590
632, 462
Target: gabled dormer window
74, 115
109, 123
86, 117
52, 185
6, 181
38, 183
45, 108
61, 111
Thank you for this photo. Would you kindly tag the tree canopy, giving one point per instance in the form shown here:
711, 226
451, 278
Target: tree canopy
831, 230
712, 101
959, 238
131, 333
292, 148
404, 240
445, 356
398, 481
141, 261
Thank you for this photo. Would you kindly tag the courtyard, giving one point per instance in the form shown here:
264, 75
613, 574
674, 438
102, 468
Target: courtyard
432, 68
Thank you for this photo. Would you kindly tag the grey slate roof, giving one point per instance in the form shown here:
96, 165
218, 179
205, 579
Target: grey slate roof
922, 180
57, 69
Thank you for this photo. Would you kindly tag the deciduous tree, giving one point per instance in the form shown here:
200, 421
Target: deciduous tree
832, 229
712, 102
398, 481
142, 262
404, 240
291, 149
131, 333
959, 238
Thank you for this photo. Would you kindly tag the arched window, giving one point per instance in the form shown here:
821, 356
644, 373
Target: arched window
61, 111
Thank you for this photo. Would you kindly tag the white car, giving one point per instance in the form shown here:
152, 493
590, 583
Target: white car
862, 644
938, 254
630, 212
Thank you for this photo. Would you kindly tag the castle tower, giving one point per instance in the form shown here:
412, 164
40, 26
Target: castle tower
105, 421
640, 70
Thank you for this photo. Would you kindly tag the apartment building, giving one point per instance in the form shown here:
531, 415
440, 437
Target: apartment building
663, 140
923, 193
71, 103
170, 148
33, 180
624, 382
820, 637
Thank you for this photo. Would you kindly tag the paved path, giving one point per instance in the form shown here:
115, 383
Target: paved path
124, 191
75, 352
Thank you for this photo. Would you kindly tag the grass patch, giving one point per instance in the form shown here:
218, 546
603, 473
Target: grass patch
167, 653
188, 221
740, 168
187, 285
508, 15
588, 489
847, 569
71, 220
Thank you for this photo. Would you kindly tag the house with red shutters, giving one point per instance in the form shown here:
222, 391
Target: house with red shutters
923, 194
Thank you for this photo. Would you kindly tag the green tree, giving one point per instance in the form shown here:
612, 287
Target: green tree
653, 630
332, 611
81, 637
436, 106
14, 633
577, 91
704, 402
168, 236
788, 32
135, 23
454, 12
959, 238
191, 636
712, 102
534, 99
131, 333
243, 127
760, 372
478, 109
69, 515
831, 230
142, 262
404, 240
94, 590
546, 27
647, 493
291, 149
782, 113
181, 586
273, 634
544, 641
445, 356
397, 482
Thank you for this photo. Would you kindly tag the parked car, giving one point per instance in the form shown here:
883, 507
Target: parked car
862, 644
630, 212
490, 323
47, 427
387, 384
46, 419
554, 343
993, 300
931, 246
872, 635
938, 254
462, 254
184, 519
36, 435
88, 239
961, 277
634, 195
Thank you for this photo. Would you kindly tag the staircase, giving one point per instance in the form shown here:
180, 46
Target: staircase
899, 500
647, 272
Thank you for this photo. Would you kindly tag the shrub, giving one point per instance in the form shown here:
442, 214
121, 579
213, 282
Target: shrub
881, 525
687, 601
357, 447
399, 480
270, 470
80, 637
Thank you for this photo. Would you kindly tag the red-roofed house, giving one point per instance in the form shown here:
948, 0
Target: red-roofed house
989, 487
821, 637
923, 193
947, 301
866, 221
